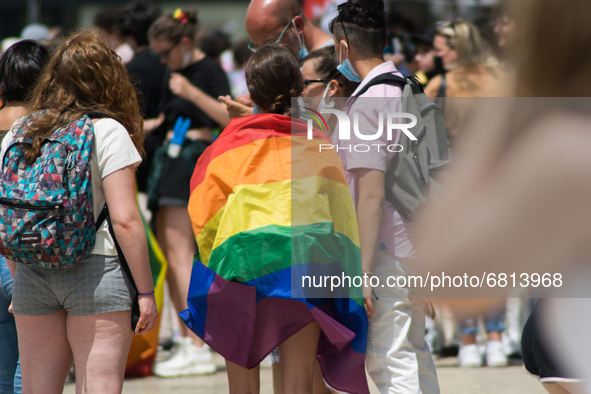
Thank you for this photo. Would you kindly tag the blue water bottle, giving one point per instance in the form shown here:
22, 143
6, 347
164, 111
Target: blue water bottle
181, 127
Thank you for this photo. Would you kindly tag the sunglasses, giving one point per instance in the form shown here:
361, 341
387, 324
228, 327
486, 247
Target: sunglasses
309, 81
254, 48
165, 55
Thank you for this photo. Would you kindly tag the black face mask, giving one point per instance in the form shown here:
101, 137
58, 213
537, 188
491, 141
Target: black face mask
438, 67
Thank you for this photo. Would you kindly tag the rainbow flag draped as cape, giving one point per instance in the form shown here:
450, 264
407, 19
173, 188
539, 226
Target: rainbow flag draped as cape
267, 207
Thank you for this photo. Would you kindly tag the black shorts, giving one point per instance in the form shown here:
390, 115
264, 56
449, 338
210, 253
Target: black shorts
169, 182
537, 357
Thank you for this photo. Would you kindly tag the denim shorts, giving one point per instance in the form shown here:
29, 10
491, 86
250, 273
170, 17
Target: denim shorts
95, 285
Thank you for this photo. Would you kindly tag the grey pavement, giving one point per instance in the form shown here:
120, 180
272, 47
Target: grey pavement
452, 380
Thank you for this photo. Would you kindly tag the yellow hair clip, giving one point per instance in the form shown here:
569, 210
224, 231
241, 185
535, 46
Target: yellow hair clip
179, 15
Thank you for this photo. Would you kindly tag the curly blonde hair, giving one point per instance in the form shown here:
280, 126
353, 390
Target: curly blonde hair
84, 75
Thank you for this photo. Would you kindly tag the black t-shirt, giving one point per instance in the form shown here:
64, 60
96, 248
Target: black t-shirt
208, 76
148, 75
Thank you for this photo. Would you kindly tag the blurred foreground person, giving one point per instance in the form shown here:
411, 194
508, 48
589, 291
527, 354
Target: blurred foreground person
267, 207
522, 195
84, 309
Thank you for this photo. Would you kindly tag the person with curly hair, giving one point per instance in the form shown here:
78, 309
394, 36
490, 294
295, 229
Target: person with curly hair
398, 358
82, 313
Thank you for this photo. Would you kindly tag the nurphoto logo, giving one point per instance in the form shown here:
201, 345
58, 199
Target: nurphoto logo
344, 129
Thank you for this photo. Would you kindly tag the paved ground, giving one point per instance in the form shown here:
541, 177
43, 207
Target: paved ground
453, 380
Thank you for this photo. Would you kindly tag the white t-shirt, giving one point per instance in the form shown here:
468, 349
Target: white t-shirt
113, 150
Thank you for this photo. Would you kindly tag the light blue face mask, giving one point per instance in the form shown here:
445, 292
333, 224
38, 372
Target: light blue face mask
346, 68
303, 50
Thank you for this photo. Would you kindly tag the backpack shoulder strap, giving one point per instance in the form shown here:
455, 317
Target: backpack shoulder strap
383, 79
97, 115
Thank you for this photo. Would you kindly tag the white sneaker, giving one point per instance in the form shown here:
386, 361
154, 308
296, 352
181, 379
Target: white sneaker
470, 357
186, 359
495, 354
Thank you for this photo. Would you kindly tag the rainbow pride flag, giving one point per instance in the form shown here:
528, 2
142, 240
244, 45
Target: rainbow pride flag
266, 208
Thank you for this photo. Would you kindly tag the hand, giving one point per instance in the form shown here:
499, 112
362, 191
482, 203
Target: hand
180, 86
237, 109
152, 124
245, 99
10, 308
148, 314
367, 300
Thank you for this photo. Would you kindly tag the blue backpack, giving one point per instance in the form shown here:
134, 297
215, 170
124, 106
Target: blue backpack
46, 211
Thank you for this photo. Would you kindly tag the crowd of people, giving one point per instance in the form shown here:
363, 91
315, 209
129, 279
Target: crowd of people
242, 200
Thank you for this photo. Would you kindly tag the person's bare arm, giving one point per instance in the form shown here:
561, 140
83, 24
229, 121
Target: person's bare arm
127, 223
369, 218
531, 211
213, 108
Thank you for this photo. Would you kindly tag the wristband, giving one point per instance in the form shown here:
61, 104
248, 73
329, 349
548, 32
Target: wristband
145, 294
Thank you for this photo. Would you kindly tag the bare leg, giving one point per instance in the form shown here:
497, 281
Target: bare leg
100, 344
469, 339
298, 359
175, 234
45, 354
495, 336
276, 368
319, 385
242, 380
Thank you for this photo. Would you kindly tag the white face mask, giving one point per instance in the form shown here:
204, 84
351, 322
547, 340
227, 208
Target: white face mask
187, 57
323, 105
303, 50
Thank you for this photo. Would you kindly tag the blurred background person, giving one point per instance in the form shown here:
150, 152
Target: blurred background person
471, 71
237, 77
149, 76
213, 44
108, 23
172, 38
429, 64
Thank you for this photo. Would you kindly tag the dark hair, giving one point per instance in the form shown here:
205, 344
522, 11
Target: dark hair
241, 52
273, 77
136, 20
20, 68
214, 43
364, 22
171, 28
108, 19
326, 68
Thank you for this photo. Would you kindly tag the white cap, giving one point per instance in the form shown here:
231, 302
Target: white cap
35, 31
8, 42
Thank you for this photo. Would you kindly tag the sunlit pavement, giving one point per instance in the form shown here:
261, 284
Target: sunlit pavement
453, 380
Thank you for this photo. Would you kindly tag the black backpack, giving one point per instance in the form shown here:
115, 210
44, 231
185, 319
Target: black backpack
410, 178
